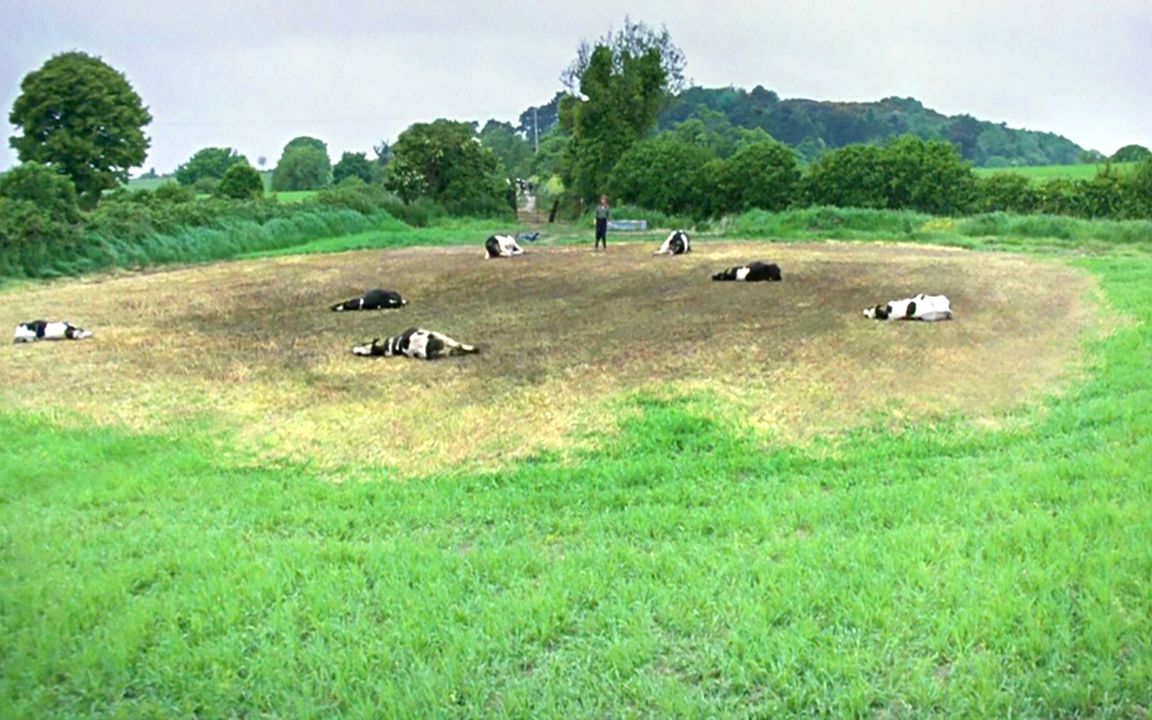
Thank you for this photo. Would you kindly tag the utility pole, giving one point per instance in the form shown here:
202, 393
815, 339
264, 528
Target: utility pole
535, 131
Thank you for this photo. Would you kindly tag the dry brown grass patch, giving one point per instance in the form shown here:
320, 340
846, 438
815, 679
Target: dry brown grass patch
565, 331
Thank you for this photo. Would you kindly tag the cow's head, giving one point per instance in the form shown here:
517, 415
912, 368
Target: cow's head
880, 312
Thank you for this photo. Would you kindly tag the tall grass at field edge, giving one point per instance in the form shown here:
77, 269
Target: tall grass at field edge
990, 230
224, 239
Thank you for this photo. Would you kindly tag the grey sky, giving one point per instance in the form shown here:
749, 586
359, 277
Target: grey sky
253, 74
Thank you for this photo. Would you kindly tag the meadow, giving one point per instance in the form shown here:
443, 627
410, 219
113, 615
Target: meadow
643, 499
1040, 173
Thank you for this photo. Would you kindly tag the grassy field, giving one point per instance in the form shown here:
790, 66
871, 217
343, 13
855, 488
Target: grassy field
565, 331
293, 196
972, 544
1084, 171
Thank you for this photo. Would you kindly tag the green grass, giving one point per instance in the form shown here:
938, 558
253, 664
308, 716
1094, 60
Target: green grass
293, 196
395, 234
677, 570
150, 183
1040, 173
989, 231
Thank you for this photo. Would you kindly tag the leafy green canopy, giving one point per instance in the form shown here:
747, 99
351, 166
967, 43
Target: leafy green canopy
241, 182
38, 212
617, 89
81, 116
910, 173
303, 165
513, 151
355, 165
210, 162
444, 160
48, 190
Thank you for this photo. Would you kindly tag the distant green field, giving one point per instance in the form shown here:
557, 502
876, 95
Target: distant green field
293, 196
150, 183
1045, 172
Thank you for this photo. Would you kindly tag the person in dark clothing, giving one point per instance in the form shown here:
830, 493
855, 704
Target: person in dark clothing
602, 212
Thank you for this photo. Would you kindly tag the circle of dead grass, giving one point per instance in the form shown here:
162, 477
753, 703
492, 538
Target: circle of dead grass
565, 332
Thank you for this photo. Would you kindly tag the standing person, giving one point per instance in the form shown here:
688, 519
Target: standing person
602, 212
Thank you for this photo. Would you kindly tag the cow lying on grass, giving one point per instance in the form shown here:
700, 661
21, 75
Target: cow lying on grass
416, 343
372, 300
498, 246
928, 308
752, 272
48, 330
677, 243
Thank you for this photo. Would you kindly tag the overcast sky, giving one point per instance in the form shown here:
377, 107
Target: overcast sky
253, 74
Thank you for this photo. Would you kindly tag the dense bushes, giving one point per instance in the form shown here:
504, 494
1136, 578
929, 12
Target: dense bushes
997, 229
443, 162
241, 182
674, 175
303, 165
671, 173
909, 174
1109, 194
42, 234
664, 174
38, 216
207, 167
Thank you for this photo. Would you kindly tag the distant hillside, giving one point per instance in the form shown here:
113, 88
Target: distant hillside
812, 126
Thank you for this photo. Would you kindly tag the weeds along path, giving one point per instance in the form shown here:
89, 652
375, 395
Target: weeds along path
565, 332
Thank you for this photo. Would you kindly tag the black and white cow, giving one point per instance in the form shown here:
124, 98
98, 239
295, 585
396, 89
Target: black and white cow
48, 330
498, 246
752, 272
372, 300
928, 308
416, 343
677, 243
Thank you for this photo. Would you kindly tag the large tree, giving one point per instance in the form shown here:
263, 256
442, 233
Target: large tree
444, 160
761, 175
241, 182
617, 88
209, 162
509, 147
303, 165
663, 173
355, 165
81, 117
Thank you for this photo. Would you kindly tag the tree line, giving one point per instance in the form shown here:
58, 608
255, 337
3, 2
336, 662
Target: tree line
81, 128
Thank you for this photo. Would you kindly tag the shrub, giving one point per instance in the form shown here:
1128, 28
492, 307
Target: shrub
354, 165
762, 175
241, 182
211, 163
303, 168
852, 176
1136, 190
171, 192
665, 174
50, 191
1006, 192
